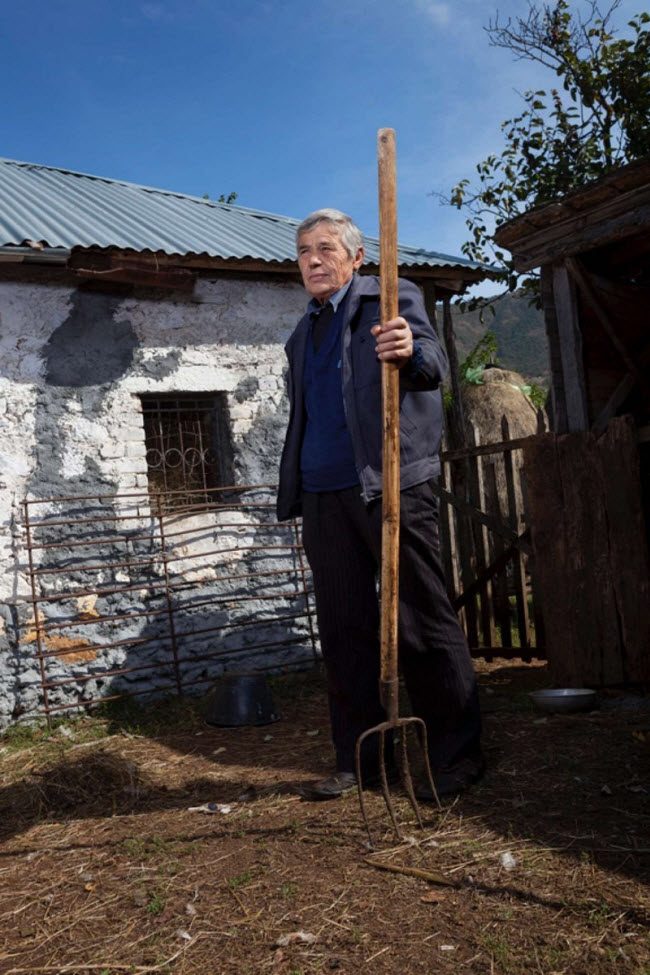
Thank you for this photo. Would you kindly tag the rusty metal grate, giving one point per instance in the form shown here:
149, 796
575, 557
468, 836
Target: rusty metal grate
188, 445
141, 594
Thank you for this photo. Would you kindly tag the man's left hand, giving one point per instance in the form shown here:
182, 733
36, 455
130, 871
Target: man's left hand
394, 341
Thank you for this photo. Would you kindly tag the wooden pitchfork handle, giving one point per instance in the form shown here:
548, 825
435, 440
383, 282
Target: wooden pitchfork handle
394, 726
390, 417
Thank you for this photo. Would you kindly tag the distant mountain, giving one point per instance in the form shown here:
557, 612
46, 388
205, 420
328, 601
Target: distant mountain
519, 331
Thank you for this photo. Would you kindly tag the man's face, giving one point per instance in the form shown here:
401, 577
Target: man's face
324, 262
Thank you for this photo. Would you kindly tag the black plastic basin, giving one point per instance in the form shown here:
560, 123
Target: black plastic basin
240, 699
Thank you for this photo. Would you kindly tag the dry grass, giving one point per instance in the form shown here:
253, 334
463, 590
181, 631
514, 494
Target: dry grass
104, 868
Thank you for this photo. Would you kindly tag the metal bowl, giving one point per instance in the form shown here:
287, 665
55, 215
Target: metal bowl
564, 700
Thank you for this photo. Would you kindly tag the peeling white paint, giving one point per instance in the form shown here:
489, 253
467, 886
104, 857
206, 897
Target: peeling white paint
227, 338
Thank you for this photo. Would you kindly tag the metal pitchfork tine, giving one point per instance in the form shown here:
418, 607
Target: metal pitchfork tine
389, 687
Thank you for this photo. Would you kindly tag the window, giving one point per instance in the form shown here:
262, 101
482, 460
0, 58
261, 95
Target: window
188, 445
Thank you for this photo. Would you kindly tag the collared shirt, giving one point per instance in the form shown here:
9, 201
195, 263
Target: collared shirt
336, 299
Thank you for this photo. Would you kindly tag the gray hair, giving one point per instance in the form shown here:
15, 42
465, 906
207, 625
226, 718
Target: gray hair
351, 236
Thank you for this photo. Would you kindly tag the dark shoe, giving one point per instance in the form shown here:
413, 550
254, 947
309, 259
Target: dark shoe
331, 788
453, 780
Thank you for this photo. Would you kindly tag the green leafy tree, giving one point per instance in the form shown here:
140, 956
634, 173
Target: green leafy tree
484, 353
563, 137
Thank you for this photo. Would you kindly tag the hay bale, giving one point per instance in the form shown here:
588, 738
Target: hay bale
500, 395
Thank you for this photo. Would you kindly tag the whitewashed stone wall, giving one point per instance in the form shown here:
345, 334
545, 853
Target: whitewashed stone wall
72, 366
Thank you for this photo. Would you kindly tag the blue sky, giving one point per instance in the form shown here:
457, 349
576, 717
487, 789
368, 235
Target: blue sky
280, 101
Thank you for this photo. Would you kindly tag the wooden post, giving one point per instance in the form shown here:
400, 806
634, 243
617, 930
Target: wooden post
448, 541
460, 470
566, 310
519, 571
557, 398
465, 552
481, 541
456, 413
500, 588
538, 618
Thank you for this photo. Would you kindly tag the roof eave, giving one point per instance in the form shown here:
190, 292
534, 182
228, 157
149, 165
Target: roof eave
612, 208
452, 277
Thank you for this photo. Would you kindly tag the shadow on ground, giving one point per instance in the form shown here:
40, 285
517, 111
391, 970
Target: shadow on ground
573, 784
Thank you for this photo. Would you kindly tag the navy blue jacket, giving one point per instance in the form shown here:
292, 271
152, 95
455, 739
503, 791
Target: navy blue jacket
420, 398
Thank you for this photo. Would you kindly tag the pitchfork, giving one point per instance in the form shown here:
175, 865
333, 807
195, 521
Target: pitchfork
388, 683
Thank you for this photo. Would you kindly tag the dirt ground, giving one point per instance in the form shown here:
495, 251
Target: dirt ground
107, 867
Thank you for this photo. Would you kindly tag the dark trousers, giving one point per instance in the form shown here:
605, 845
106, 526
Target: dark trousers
342, 539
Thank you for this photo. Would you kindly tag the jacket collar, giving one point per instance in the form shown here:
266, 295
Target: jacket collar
362, 286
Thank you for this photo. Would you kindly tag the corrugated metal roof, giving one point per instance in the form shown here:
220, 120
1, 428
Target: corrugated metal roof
61, 208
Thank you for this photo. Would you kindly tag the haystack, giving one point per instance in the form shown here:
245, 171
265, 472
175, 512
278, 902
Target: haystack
499, 395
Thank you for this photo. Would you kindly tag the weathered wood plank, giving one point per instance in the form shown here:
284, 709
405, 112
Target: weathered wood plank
570, 339
518, 567
628, 550
466, 559
624, 216
501, 596
459, 473
465, 508
617, 291
549, 549
614, 186
449, 542
465, 542
591, 555
492, 570
538, 618
558, 398
483, 450
613, 404
456, 415
508, 653
579, 275
177, 279
477, 492
587, 570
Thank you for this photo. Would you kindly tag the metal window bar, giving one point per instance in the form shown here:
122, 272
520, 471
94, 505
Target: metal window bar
187, 442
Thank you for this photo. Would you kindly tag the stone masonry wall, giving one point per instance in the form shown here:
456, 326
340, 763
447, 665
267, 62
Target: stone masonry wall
73, 363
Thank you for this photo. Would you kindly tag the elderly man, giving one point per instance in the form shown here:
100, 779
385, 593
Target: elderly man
330, 473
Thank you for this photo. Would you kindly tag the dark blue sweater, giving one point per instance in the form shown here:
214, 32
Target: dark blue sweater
326, 457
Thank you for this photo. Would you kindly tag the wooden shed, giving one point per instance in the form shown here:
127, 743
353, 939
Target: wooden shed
589, 480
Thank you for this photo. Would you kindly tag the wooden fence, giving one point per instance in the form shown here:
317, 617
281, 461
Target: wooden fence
485, 535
